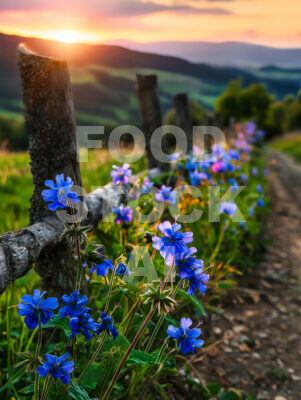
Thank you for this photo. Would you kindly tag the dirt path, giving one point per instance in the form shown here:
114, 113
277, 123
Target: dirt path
258, 338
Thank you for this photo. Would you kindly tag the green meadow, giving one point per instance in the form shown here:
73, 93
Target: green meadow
16, 184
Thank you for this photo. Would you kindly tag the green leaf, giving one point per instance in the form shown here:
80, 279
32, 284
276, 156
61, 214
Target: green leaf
193, 300
214, 388
170, 320
141, 358
226, 284
57, 322
121, 341
214, 310
234, 394
91, 378
78, 393
28, 389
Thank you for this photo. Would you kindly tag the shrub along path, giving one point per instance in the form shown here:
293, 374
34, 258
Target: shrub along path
257, 339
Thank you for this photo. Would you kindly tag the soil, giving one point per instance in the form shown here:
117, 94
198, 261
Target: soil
256, 341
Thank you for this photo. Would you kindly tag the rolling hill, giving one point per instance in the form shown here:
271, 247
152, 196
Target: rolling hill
221, 53
103, 79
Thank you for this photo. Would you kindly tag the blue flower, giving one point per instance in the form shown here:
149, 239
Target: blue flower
107, 325
122, 270
228, 207
173, 157
73, 305
188, 337
165, 194
233, 154
173, 244
254, 171
83, 323
147, 185
188, 263
197, 280
192, 269
260, 203
123, 214
259, 188
103, 268
251, 211
243, 177
57, 367
250, 128
192, 163
196, 178
121, 174
34, 309
59, 192
217, 151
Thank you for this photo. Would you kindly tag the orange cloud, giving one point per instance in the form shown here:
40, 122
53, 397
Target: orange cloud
267, 21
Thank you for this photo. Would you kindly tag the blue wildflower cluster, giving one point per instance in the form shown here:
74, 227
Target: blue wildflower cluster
173, 248
90, 327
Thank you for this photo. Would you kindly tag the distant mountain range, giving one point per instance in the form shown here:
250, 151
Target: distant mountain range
103, 78
234, 54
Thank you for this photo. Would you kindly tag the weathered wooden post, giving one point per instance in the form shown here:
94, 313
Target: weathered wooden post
150, 111
208, 121
51, 127
183, 117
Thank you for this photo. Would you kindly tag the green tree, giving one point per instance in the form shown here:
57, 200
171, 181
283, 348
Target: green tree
197, 114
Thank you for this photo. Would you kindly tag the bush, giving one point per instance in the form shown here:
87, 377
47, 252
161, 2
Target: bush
12, 133
242, 104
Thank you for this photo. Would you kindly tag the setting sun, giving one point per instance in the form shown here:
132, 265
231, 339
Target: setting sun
69, 36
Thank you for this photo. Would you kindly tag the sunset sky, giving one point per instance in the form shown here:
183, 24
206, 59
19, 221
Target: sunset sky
272, 22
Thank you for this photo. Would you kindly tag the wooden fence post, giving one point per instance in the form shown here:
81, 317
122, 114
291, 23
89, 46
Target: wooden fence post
150, 111
183, 117
51, 127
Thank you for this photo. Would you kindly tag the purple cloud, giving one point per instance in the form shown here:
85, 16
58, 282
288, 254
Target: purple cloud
108, 8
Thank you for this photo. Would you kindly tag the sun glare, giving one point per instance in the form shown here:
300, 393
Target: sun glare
69, 36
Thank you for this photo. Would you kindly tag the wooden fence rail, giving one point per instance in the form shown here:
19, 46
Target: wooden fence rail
51, 127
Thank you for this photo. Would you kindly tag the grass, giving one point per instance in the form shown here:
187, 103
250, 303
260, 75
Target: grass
16, 184
290, 145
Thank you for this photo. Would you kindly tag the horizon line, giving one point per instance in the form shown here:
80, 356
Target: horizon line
111, 41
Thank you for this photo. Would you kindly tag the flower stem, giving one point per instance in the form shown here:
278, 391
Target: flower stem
147, 382
162, 316
48, 389
133, 313
77, 247
110, 289
127, 353
162, 350
155, 332
80, 268
36, 356
170, 272
219, 241
94, 356
161, 319
45, 387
